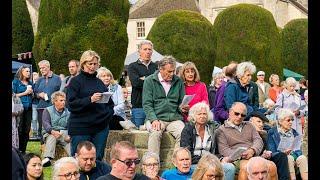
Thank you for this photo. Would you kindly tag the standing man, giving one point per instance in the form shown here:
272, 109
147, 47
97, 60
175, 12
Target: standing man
137, 72
90, 168
124, 160
74, 69
162, 96
44, 87
263, 87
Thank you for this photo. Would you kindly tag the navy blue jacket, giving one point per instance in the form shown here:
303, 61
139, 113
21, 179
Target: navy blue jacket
100, 169
273, 141
87, 118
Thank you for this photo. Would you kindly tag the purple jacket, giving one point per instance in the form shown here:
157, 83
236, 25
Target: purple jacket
220, 112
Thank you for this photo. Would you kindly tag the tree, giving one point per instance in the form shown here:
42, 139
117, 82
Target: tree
188, 36
294, 41
67, 29
246, 32
22, 33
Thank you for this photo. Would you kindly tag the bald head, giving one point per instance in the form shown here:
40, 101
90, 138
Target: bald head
257, 168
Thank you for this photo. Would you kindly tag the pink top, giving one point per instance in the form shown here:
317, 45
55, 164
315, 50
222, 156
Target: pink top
200, 91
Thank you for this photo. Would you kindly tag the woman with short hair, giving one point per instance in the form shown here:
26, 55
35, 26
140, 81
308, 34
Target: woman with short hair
198, 136
275, 89
283, 131
151, 165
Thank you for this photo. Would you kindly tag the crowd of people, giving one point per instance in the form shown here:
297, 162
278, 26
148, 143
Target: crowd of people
232, 128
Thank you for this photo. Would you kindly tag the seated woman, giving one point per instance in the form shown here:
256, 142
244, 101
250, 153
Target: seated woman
209, 167
193, 86
66, 168
285, 131
55, 119
198, 136
151, 165
34, 166
119, 114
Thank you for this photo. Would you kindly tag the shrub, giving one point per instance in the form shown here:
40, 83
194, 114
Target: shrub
22, 33
247, 32
67, 28
294, 40
188, 36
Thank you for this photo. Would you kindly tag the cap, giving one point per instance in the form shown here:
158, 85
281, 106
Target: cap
260, 73
259, 115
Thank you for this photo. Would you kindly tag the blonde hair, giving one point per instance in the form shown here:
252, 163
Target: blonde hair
109, 73
55, 95
88, 56
207, 162
189, 65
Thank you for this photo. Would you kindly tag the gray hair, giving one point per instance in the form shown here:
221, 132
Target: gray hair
216, 76
167, 60
254, 160
267, 103
245, 66
143, 42
290, 81
196, 108
148, 155
175, 152
55, 95
283, 113
58, 165
44, 62
239, 103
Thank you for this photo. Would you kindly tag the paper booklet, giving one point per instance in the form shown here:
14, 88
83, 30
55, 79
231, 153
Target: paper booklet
187, 99
288, 143
237, 153
105, 97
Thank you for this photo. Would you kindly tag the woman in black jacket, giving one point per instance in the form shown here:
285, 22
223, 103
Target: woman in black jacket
198, 136
89, 119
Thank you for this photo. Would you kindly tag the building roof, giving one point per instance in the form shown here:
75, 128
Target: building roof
154, 8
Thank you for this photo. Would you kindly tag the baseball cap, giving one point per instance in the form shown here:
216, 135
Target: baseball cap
260, 73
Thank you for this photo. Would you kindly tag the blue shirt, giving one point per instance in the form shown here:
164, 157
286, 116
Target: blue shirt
175, 174
19, 87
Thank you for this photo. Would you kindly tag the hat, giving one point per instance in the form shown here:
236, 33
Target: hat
259, 115
260, 73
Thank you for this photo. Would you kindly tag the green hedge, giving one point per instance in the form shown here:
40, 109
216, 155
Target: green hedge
188, 36
294, 38
68, 28
22, 33
247, 32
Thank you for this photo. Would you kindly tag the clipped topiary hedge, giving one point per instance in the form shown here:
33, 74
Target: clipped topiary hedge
246, 32
188, 36
294, 40
22, 33
68, 28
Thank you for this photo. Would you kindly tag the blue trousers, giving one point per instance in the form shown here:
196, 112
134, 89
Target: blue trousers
99, 140
138, 116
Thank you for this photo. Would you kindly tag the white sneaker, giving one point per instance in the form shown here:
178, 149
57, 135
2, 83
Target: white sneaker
127, 125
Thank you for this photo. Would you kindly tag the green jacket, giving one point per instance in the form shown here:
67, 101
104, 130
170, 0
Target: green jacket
156, 104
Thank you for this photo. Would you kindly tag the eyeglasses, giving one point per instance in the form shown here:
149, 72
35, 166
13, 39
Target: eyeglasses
288, 120
151, 165
69, 175
211, 176
130, 162
237, 114
261, 75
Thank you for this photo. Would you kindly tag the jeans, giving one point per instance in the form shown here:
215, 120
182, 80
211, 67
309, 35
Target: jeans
229, 171
34, 122
138, 116
99, 140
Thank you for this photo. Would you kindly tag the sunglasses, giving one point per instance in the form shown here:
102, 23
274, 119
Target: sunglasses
288, 120
237, 114
130, 162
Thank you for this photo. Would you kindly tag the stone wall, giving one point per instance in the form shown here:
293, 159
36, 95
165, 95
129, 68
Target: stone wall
140, 140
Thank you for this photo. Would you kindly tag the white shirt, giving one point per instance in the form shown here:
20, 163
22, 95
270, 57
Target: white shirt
202, 147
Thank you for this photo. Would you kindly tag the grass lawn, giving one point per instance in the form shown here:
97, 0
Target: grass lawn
34, 147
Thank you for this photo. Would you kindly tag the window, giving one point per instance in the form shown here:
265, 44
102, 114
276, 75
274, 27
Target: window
140, 29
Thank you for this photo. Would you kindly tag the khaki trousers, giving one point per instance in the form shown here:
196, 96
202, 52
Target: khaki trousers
50, 145
174, 128
301, 162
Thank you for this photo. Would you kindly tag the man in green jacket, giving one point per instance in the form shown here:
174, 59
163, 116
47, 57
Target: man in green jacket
163, 92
